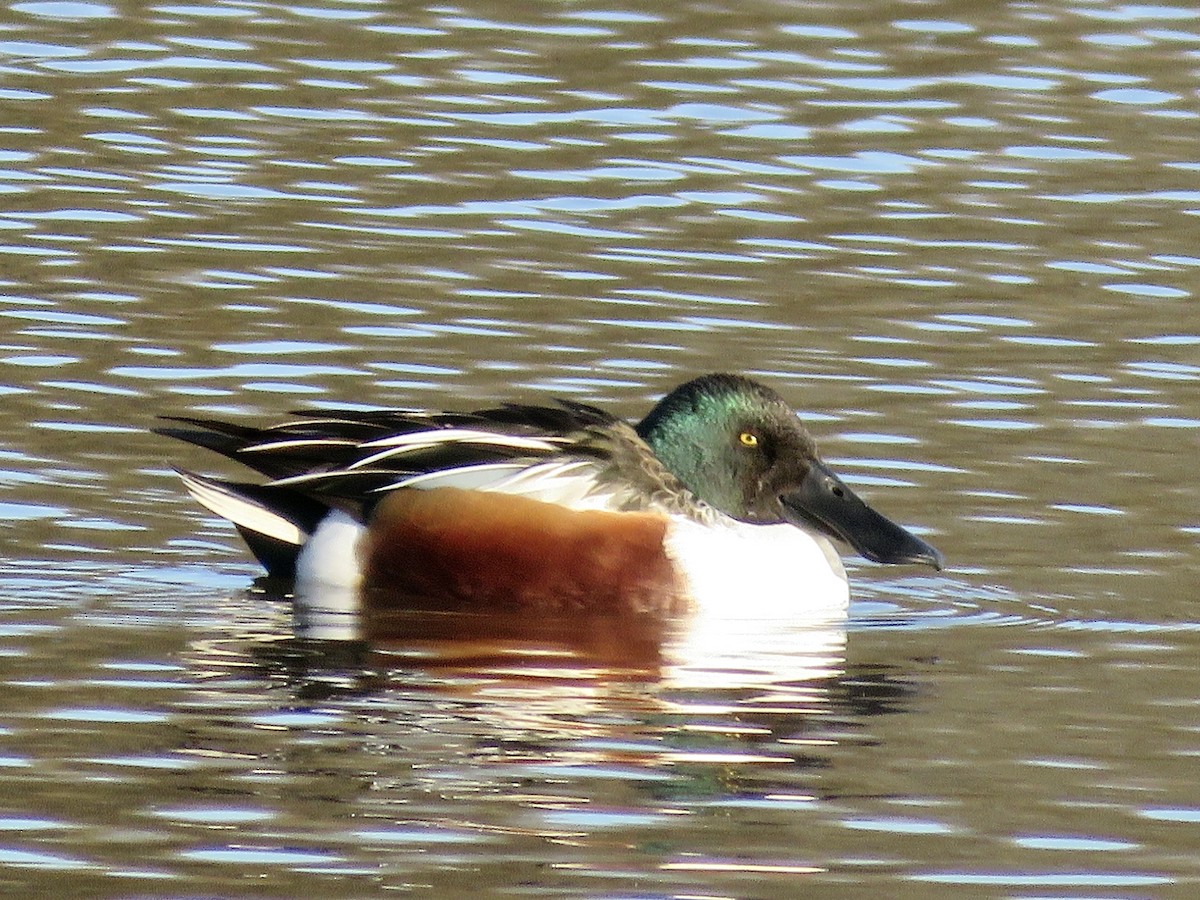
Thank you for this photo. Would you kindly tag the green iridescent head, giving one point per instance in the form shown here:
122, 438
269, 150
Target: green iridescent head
739, 447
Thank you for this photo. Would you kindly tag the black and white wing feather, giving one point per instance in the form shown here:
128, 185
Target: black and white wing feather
572, 454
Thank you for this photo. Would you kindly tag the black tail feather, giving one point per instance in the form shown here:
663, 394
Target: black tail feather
277, 557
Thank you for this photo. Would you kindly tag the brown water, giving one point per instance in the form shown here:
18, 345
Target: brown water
960, 238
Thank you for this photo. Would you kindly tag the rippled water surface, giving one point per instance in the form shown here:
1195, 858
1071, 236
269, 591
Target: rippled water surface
960, 238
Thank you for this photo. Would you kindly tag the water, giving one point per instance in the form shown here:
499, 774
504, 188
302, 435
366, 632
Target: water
961, 240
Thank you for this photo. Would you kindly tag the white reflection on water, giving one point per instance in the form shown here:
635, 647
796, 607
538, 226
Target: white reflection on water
704, 650
715, 651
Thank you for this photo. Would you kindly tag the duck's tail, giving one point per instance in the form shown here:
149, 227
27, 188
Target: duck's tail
274, 522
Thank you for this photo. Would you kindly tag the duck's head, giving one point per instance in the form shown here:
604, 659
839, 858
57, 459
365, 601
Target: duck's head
740, 448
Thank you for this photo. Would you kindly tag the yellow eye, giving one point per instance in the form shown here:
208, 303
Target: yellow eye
748, 439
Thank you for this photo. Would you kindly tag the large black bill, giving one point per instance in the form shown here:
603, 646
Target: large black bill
825, 502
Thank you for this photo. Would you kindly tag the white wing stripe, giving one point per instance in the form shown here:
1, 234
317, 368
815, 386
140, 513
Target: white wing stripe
384, 454
295, 444
425, 440
535, 478
436, 436
570, 482
308, 477
479, 477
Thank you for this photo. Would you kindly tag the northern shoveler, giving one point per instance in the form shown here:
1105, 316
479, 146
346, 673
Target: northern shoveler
718, 496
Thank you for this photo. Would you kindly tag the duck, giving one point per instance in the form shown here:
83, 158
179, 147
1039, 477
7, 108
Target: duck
717, 499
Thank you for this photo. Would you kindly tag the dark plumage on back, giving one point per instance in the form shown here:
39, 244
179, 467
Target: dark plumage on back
332, 456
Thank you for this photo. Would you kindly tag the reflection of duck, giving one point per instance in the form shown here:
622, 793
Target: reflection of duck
717, 499
750, 662
695, 651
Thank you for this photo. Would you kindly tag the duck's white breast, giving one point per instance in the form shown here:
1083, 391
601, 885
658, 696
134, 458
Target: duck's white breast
759, 571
